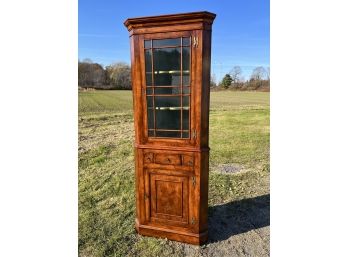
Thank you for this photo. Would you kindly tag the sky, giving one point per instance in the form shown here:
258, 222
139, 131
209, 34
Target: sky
240, 31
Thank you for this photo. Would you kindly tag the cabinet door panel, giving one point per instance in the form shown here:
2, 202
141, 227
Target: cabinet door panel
168, 201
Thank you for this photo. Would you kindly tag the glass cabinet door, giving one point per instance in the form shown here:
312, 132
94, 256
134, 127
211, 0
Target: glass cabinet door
167, 75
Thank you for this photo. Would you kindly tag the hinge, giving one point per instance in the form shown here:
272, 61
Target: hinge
194, 134
194, 181
193, 221
195, 42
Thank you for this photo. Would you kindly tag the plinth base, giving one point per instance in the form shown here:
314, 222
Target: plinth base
185, 237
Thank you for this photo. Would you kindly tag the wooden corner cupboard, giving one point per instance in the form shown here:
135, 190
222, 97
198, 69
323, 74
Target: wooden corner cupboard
170, 59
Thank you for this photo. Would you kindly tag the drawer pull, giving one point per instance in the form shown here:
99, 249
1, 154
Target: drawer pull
167, 159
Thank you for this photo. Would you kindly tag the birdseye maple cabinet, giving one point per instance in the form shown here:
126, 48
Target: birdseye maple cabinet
170, 59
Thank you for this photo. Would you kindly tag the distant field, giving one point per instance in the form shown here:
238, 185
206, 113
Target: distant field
121, 101
238, 179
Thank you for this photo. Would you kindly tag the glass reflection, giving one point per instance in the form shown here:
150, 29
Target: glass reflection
167, 66
166, 42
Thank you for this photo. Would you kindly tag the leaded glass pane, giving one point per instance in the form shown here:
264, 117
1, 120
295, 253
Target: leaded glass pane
148, 67
168, 133
167, 66
147, 43
167, 90
166, 42
167, 74
167, 119
186, 41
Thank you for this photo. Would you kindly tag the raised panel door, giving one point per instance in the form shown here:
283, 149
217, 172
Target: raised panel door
167, 198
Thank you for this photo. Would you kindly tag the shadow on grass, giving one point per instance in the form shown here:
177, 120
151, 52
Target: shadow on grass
238, 217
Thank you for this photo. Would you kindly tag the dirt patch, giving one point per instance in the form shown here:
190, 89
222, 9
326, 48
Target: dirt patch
230, 168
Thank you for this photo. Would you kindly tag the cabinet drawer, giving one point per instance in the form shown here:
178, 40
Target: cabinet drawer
157, 158
171, 159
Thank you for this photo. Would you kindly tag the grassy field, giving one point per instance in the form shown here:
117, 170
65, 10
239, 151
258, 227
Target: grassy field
238, 179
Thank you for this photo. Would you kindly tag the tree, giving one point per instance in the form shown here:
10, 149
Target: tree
258, 73
259, 79
119, 75
90, 74
226, 81
236, 73
268, 73
98, 75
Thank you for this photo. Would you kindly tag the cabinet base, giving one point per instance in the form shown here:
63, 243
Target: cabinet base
185, 237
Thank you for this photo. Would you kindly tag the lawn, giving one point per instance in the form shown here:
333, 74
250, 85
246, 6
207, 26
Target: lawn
238, 179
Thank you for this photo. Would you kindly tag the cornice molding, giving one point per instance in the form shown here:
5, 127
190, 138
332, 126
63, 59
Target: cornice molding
169, 19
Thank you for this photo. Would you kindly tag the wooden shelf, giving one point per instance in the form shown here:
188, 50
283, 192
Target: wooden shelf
169, 72
172, 108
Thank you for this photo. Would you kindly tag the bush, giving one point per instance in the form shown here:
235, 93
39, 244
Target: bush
226, 81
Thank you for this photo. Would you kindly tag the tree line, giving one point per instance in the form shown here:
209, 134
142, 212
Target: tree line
118, 76
259, 80
94, 75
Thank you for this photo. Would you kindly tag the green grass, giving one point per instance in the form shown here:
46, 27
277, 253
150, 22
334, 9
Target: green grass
239, 135
110, 101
